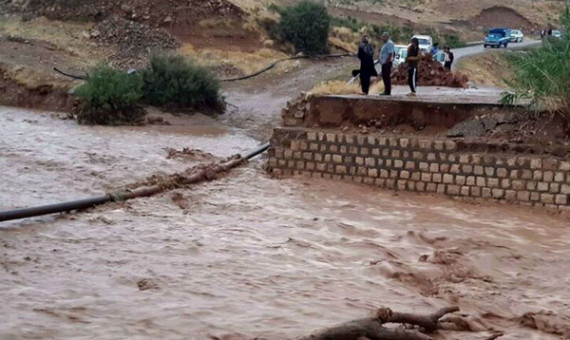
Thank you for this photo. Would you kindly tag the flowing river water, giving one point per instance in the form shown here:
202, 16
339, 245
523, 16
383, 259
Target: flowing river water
246, 255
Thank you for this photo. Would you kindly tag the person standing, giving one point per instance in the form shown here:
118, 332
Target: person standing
385, 59
448, 58
434, 49
367, 69
412, 60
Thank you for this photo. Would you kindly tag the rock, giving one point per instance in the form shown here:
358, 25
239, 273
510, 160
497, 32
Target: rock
95, 34
468, 128
167, 19
146, 284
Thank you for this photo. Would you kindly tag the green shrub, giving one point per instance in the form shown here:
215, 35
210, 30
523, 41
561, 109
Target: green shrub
175, 82
542, 75
110, 97
306, 26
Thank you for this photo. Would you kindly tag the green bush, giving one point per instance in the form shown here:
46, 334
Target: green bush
110, 97
542, 75
175, 82
306, 26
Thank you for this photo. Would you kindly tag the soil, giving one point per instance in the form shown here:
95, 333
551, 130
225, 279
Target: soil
507, 17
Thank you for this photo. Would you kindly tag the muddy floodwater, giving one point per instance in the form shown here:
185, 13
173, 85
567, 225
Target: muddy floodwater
246, 255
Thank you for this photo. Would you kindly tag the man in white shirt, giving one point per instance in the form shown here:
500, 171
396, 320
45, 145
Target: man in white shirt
385, 60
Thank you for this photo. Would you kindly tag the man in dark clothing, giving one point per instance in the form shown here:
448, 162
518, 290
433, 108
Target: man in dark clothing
367, 69
385, 59
448, 58
413, 59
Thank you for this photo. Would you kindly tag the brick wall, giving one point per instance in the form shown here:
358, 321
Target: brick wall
422, 165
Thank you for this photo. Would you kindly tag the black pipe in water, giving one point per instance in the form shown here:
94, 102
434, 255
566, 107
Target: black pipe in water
84, 203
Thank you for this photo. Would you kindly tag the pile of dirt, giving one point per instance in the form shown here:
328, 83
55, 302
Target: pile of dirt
507, 17
430, 73
133, 39
153, 12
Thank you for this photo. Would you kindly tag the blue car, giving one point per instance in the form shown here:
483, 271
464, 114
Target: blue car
497, 37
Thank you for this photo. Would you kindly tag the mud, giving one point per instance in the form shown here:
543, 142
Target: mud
247, 256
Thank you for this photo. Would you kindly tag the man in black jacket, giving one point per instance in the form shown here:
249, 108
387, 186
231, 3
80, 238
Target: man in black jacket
367, 69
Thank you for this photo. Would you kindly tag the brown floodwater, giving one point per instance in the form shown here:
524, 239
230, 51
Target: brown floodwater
246, 255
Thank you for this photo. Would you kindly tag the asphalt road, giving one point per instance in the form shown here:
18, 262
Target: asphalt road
478, 49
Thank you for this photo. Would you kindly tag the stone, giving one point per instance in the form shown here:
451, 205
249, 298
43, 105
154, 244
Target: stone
542, 186
548, 176
505, 183
464, 159
470, 180
486, 193
376, 152
493, 182
561, 199
531, 186
502, 172
410, 165
404, 142
546, 198
526, 174
424, 166
331, 137
416, 175
448, 179
420, 186
523, 196
565, 189
450, 145
337, 158
417, 155
297, 155
478, 170
383, 173
510, 195
467, 169
434, 167
398, 164
537, 175
405, 174
467, 128
464, 191
401, 184
359, 160
300, 165
312, 136
534, 196
437, 178
455, 169
453, 189
554, 188
315, 147
370, 161
364, 151
308, 156
498, 193
489, 171
444, 167
536, 163
460, 180
438, 145
310, 166
559, 176
564, 166
426, 177
373, 172
431, 187
431, 156
481, 182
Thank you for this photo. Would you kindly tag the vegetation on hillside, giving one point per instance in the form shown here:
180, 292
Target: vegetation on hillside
542, 75
110, 97
114, 97
305, 25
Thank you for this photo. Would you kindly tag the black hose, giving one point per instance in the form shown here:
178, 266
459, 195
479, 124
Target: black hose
70, 75
88, 202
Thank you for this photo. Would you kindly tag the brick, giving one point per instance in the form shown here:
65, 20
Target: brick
380, 182
546, 198
523, 196
288, 154
420, 186
476, 159
323, 148
511, 161
535, 196
478, 170
526, 174
306, 174
561, 199
311, 135
475, 191
359, 160
530, 185
489, 171
444, 167
393, 142
467, 169
383, 173
314, 147
565, 189
486, 193
447, 178
300, 165
404, 142
368, 180
542, 186
331, 137
364, 151
554, 188
282, 162
361, 140
295, 145
362, 171
537, 175
431, 156
321, 166
431, 187
310, 166
441, 188
434, 167
376, 152
398, 164
452, 158
404, 174
510, 195
564, 165
330, 168
343, 149
443, 156
425, 144
348, 159
401, 184
353, 150
386, 152
550, 164
502, 172
464, 191
390, 183
308, 156
273, 162
460, 180
424, 166
437, 178
416, 175
464, 159
357, 179
498, 193
383, 141
411, 185
454, 169
373, 172
505, 183
394, 174
417, 155
303, 146
372, 141
559, 176
426, 177
341, 169
370, 161
493, 182
470, 180
548, 176
410, 165
481, 182
327, 176
337, 158
388, 163
514, 174
321, 136
489, 160
536, 163
438, 145
450, 145
337, 177
453, 189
